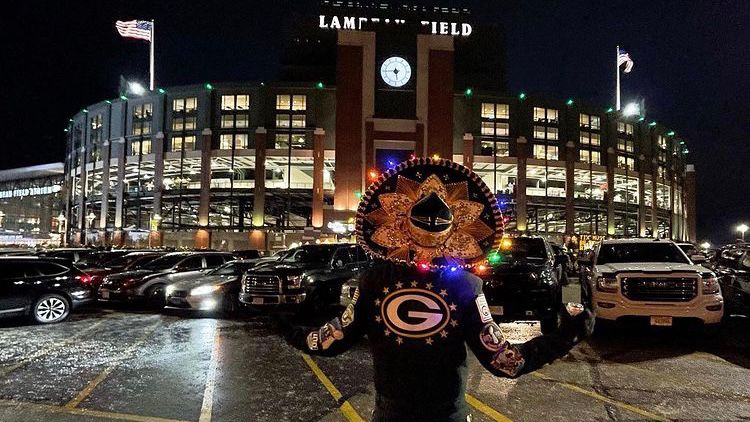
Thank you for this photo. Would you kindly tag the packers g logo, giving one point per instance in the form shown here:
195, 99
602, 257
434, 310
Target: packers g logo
415, 313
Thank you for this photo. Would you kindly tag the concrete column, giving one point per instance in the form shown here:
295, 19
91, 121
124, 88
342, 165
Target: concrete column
641, 197
654, 221
611, 165
118, 148
317, 197
521, 211
690, 205
673, 224
105, 193
155, 237
81, 223
570, 162
203, 235
468, 151
259, 193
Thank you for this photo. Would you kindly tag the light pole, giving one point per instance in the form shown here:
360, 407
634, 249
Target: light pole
61, 228
742, 228
89, 219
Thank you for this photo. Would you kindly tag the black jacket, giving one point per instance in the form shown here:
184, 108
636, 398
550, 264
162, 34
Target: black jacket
418, 324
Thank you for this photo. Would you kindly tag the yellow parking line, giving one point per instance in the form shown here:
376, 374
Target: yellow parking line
48, 408
36, 355
346, 408
487, 410
81, 396
208, 392
625, 406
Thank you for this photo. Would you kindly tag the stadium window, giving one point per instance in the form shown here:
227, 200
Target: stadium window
225, 141
283, 102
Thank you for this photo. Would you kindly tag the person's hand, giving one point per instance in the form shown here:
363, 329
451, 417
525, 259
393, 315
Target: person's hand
576, 322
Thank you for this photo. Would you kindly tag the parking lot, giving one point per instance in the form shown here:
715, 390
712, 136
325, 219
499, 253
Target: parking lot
137, 365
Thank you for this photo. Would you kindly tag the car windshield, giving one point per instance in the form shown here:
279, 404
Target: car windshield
309, 255
164, 262
524, 249
120, 261
616, 253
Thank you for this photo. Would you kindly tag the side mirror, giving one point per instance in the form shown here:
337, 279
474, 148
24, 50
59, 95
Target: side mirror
697, 258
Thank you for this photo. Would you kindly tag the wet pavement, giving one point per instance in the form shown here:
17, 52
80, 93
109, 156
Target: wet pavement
137, 365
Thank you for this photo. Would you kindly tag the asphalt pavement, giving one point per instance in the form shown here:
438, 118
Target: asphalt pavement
139, 365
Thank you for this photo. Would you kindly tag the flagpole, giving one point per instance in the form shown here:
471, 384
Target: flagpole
617, 70
151, 59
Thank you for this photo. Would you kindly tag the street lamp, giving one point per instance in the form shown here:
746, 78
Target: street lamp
742, 228
631, 109
136, 88
705, 246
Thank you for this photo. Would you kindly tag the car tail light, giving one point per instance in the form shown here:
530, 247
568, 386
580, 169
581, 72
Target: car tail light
85, 278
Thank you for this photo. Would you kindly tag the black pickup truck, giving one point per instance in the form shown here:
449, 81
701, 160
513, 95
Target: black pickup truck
522, 282
307, 278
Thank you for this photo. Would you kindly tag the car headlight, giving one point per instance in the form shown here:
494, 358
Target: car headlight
204, 290
294, 281
606, 284
710, 285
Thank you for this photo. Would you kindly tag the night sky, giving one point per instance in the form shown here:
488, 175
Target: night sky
692, 66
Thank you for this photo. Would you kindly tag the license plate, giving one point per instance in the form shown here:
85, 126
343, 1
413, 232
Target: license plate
661, 321
257, 301
105, 294
497, 310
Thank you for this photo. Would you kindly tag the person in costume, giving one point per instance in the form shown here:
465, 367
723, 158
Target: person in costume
427, 222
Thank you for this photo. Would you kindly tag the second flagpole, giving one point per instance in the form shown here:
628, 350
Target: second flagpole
152, 77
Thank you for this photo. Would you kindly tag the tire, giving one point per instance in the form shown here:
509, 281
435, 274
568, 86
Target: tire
155, 296
50, 308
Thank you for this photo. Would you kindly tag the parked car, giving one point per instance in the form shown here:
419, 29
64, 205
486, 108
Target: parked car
651, 279
45, 289
214, 290
524, 284
144, 285
307, 278
128, 262
71, 254
732, 267
248, 254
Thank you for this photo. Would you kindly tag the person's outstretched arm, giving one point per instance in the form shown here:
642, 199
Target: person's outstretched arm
337, 335
498, 356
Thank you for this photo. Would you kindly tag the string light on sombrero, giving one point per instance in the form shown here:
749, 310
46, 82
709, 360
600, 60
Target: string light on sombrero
427, 210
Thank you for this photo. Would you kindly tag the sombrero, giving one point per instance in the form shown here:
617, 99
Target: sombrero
429, 212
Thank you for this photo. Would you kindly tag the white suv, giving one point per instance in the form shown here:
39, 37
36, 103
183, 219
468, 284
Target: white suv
650, 278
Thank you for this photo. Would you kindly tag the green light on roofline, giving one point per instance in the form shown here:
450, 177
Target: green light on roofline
469, 92
320, 85
65, 130
70, 120
670, 133
569, 102
522, 96
209, 86
640, 119
162, 91
652, 124
124, 98
108, 101
85, 110
609, 110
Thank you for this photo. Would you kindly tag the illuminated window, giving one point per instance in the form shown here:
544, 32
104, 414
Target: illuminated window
589, 156
141, 119
589, 121
282, 141
625, 145
299, 102
662, 141
627, 163
291, 121
180, 143
227, 120
545, 132
240, 141
298, 121
548, 152
283, 102
187, 105
227, 102
283, 121
595, 122
490, 114
595, 139
625, 128
241, 121
501, 148
142, 111
226, 140
142, 146
540, 114
495, 111
552, 133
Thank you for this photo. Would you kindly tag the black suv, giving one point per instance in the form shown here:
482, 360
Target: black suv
307, 278
732, 267
45, 289
522, 282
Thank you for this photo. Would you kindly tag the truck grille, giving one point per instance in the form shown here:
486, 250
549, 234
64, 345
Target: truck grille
660, 289
262, 284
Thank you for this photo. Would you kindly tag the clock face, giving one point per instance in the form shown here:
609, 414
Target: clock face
395, 71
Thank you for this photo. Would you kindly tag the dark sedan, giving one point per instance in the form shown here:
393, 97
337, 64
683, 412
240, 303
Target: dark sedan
128, 262
522, 284
732, 268
47, 290
145, 284
214, 290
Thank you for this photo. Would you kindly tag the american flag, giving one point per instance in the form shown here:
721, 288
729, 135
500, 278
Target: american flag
624, 58
135, 29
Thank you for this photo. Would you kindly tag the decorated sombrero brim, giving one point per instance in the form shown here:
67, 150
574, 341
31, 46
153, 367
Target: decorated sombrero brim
429, 211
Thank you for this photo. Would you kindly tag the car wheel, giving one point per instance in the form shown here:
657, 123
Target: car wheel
50, 308
156, 296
